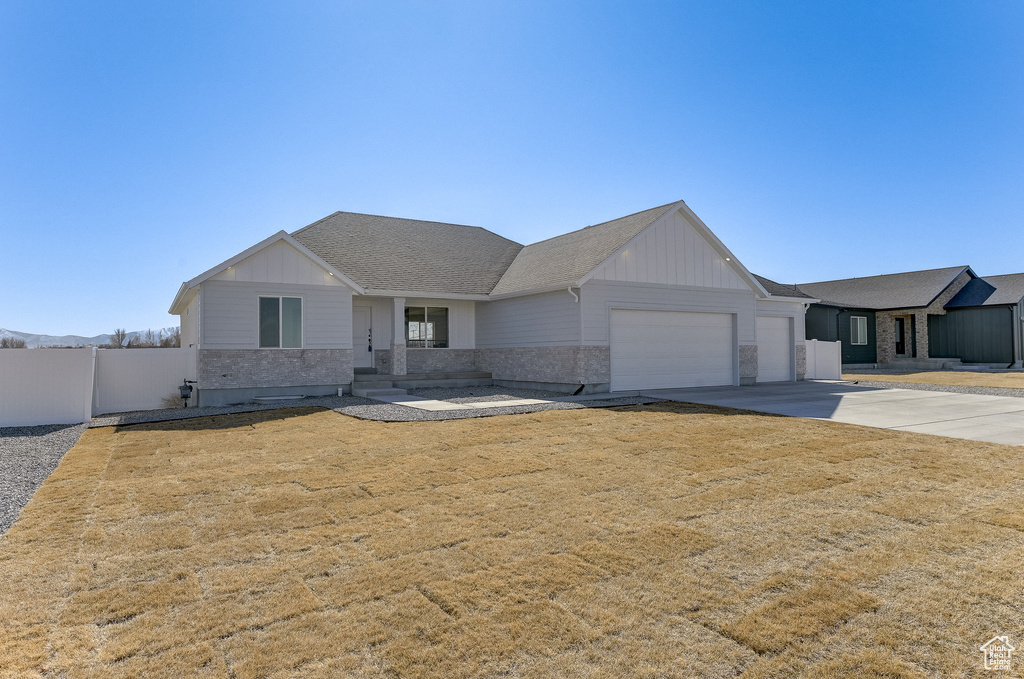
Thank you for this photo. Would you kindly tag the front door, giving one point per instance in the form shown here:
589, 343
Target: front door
901, 337
362, 338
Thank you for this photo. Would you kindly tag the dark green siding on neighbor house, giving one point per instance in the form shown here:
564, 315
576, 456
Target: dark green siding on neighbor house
981, 335
829, 324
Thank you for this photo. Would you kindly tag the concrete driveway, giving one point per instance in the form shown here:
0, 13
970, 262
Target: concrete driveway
999, 419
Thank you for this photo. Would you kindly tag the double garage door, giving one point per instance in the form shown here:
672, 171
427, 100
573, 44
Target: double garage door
666, 349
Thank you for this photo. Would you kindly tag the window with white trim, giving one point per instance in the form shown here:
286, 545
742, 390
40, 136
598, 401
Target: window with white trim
280, 323
426, 327
858, 330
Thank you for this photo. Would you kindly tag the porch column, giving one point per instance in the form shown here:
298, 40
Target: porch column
398, 337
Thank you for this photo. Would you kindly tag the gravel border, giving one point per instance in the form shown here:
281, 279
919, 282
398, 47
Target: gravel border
169, 414
27, 456
952, 388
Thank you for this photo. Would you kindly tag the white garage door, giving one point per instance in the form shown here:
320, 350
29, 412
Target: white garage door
774, 349
665, 349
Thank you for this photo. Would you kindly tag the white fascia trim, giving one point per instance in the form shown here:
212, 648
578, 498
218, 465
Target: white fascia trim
179, 299
779, 298
373, 292
560, 287
280, 235
724, 251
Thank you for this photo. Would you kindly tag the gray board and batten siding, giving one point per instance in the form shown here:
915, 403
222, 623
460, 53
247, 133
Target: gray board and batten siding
978, 335
829, 324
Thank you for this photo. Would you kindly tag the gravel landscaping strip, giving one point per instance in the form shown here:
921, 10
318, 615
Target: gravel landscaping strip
27, 456
954, 388
143, 416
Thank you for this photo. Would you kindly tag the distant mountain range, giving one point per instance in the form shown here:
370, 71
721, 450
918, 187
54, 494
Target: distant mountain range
33, 341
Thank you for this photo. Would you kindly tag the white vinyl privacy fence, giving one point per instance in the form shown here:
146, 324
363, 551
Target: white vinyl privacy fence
824, 360
65, 386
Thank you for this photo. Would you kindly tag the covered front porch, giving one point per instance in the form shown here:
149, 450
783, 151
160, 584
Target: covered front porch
399, 336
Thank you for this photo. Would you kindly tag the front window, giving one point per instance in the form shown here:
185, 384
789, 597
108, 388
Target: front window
426, 327
280, 322
858, 330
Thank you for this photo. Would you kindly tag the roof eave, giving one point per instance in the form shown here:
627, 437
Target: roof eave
179, 299
535, 291
783, 298
376, 292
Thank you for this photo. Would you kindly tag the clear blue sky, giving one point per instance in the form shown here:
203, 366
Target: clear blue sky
144, 142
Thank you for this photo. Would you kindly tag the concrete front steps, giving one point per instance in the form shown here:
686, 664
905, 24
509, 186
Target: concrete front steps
371, 384
919, 364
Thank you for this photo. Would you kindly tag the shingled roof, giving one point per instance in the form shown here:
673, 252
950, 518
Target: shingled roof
390, 253
909, 290
565, 259
990, 291
780, 290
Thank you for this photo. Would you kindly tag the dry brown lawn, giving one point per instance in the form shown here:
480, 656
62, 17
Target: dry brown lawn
952, 377
651, 541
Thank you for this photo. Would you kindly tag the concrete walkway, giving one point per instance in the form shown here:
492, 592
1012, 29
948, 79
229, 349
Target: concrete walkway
435, 405
999, 419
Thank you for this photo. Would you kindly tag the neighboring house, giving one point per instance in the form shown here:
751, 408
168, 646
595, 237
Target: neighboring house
949, 313
649, 300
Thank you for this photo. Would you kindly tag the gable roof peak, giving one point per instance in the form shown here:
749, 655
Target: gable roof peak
606, 222
564, 260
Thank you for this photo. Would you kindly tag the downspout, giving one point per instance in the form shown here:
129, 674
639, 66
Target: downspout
1013, 342
577, 301
839, 337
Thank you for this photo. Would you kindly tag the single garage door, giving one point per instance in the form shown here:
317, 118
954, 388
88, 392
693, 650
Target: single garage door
774, 349
665, 349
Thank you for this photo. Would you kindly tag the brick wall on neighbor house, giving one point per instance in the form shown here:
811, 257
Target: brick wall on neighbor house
253, 368
885, 325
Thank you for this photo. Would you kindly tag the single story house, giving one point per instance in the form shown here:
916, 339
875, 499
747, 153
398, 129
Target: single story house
650, 300
921, 316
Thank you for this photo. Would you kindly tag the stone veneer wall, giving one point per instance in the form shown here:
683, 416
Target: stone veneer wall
748, 364
885, 325
382, 361
800, 357
253, 368
559, 364
440, 360
398, 355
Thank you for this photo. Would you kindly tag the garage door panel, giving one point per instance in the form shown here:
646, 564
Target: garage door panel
774, 349
665, 349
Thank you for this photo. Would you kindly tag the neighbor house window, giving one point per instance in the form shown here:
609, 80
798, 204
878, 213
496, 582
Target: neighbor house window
858, 330
281, 322
426, 327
